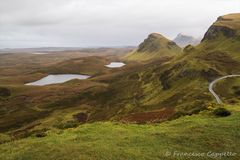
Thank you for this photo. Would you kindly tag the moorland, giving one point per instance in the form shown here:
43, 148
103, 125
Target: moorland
157, 104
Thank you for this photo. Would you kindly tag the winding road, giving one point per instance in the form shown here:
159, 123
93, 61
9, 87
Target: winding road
211, 85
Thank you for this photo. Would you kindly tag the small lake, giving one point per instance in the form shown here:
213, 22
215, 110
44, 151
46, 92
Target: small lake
39, 53
115, 65
58, 78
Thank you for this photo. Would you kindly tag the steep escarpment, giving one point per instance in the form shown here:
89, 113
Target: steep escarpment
227, 26
223, 36
154, 47
215, 31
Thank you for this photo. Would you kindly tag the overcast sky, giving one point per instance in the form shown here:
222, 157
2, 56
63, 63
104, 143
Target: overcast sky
85, 23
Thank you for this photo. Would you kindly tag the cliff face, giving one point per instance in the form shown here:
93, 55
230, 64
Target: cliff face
214, 31
227, 26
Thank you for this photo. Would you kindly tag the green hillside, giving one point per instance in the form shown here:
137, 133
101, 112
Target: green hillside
224, 35
154, 47
167, 89
203, 133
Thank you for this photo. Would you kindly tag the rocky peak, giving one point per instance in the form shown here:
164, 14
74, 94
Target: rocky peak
228, 26
155, 42
184, 40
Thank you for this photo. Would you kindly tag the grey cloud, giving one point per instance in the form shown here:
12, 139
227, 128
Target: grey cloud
29, 23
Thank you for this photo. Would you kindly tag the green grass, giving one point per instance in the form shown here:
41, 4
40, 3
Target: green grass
154, 47
198, 133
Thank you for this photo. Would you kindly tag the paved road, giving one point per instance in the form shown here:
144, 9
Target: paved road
211, 85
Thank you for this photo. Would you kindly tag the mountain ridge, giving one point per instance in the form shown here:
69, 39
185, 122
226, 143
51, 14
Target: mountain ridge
153, 47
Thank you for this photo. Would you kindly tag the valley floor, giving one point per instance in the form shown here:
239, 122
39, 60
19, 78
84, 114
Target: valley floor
201, 136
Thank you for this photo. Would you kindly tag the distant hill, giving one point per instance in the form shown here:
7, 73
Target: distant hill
155, 46
184, 40
43, 49
63, 49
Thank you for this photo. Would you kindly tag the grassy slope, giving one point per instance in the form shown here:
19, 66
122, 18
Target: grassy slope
28, 104
181, 83
224, 35
154, 47
229, 90
122, 141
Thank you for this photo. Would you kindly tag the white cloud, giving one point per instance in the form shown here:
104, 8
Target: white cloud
31, 23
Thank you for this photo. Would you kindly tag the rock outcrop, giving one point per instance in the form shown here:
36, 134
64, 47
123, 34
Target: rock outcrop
227, 26
154, 46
